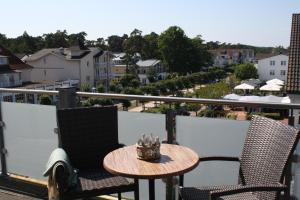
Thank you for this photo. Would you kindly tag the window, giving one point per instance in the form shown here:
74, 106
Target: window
87, 78
87, 63
3, 61
282, 72
283, 63
45, 73
44, 60
272, 72
272, 62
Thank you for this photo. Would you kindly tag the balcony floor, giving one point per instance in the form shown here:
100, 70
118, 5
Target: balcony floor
6, 195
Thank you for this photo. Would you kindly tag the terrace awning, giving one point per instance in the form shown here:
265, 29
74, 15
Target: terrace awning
232, 97
265, 99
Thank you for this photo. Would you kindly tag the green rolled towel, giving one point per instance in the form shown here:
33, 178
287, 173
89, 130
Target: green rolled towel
60, 158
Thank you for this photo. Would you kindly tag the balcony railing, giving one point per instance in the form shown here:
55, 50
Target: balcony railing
29, 136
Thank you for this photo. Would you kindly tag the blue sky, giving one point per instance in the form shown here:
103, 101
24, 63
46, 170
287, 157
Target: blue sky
254, 22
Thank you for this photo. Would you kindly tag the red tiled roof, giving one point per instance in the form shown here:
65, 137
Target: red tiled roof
15, 63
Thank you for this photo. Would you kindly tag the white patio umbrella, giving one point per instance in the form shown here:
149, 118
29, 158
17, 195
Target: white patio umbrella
270, 87
244, 86
286, 100
275, 81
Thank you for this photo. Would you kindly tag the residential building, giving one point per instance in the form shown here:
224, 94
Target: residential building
275, 66
119, 67
223, 57
13, 72
88, 66
150, 67
103, 68
293, 80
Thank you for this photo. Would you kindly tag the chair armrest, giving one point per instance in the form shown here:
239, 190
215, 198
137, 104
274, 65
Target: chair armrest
247, 188
61, 177
120, 145
219, 158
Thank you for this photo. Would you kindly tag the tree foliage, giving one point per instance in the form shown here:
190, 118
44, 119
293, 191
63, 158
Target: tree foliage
245, 71
45, 100
182, 54
115, 43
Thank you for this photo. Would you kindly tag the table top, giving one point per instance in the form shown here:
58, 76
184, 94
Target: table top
175, 160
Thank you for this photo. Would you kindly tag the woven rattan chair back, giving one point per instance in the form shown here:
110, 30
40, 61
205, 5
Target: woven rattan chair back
88, 134
268, 146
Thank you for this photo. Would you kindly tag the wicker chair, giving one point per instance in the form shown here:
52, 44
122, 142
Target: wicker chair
267, 151
87, 135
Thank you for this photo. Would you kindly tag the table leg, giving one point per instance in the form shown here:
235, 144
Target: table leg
151, 189
181, 179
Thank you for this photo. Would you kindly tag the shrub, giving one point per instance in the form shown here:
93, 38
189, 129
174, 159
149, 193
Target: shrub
211, 113
245, 71
231, 116
275, 116
86, 88
100, 88
45, 100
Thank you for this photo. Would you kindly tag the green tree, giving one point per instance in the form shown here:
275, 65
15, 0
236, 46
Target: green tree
77, 39
134, 44
213, 91
129, 80
126, 104
245, 71
3, 40
45, 100
171, 86
115, 43
86, 88
100, 88
56, 40
152, 75
150, 47
173, 45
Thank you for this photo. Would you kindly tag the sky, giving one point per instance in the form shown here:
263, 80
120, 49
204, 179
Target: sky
252, 22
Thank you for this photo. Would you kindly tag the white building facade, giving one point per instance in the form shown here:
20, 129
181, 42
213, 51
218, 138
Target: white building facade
148, 67
85, 65
13, 71
273, 67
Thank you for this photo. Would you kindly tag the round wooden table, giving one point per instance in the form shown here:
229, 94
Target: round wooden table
175, 160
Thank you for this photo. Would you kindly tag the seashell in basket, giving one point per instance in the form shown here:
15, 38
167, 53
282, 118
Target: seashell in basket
148, 153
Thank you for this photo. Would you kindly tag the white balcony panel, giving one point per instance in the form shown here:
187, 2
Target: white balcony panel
131, 126
29, 137
210, 137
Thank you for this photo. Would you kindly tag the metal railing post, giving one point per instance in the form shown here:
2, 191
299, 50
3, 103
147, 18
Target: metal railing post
170, 126
67, 97
2, 146
171, 139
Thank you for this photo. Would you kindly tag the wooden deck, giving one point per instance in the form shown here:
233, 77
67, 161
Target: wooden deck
7, 195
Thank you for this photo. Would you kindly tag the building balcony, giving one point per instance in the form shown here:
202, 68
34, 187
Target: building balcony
11, 83
30, 137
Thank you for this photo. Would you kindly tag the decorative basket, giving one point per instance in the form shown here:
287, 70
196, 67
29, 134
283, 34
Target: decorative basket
148, 153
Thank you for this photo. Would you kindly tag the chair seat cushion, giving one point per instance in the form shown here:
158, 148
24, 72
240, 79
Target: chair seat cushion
192, 193
98, 182
98, 179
